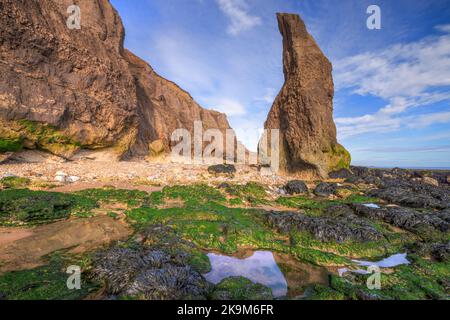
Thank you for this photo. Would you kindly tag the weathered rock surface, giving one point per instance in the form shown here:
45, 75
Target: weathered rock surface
420, 223
326, 229
303, 110
84, 83
296, 187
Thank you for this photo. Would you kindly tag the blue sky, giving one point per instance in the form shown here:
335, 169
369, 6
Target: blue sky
392, 103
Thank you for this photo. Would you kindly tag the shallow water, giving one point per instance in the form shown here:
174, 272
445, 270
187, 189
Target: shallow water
261, 268
283, 274
390, 262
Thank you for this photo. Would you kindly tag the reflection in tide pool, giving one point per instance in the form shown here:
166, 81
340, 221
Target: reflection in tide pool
261, 268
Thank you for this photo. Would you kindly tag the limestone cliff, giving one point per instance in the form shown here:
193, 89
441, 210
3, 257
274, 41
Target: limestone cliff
83, 84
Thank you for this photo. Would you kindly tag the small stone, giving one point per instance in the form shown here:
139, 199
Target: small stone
72, 179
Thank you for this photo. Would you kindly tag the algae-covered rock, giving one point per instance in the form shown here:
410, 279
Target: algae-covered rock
240, 288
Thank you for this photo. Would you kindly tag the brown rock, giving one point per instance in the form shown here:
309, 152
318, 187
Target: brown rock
303, 110
84, 82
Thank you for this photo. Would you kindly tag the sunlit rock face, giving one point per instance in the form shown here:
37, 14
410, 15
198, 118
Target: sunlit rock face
83, 81
303, 110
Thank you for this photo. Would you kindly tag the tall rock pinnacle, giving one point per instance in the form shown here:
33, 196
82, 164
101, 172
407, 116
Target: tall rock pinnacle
303, 110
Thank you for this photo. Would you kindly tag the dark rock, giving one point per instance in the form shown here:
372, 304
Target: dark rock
157, 267
340, 210
226, 169
325, 189
441, 251
438, 251
324, 229
415, 195
360, 171
224, 185
408, 219
341, 174
296, 187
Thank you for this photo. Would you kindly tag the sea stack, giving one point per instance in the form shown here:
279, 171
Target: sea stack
303, 110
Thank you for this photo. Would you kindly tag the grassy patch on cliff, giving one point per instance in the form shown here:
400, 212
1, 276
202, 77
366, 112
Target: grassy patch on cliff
25, 134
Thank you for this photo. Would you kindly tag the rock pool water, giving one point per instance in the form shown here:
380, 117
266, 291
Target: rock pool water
283, 274
261, 268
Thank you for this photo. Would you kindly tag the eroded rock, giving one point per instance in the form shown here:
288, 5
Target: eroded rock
303, 110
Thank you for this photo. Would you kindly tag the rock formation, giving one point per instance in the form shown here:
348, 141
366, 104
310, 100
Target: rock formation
83, 84
303, 110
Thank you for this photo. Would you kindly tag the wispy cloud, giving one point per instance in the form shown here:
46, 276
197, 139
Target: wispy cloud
409, 75
444, 148
229, 106
240, 19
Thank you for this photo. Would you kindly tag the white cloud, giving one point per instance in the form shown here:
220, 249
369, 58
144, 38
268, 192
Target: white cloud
240, 19
406, 75
443, 28
228, 106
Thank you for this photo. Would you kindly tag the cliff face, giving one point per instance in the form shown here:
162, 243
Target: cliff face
303, 110
84, 83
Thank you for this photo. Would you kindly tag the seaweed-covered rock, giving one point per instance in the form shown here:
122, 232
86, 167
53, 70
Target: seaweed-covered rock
296, 187
341, 174
408, 219
325, 189
324, 229
239, 288
148, 273
222, 169
415, 196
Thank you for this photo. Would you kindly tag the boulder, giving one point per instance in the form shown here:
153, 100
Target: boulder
325, 189
222, 169
341, 174
296, 187
303, 110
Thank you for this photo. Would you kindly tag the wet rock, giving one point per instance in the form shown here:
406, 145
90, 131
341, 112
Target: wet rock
340, 210
296, 187
408, 219
149, 273
415, 195
324, 229
239, 288
438, 251
360, 171
441, 251
222, 169
341, 174
170, 282
325, 189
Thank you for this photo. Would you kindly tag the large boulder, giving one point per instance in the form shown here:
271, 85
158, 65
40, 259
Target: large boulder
303, 110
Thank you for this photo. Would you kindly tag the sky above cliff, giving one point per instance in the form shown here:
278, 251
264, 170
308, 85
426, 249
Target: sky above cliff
392, 102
